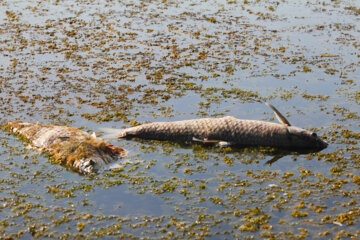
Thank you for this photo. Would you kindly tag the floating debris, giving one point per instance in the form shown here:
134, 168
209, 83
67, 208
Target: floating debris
68, 146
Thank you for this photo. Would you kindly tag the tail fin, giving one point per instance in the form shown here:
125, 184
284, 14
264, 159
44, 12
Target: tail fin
112, 133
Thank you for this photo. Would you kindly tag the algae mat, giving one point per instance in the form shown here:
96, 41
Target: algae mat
93, 64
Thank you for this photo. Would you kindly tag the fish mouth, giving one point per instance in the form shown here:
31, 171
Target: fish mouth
321, 144
87, 166
325, 144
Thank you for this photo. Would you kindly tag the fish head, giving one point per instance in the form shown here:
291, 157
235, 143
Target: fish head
98, 155
305, 139
299, 138
89, 165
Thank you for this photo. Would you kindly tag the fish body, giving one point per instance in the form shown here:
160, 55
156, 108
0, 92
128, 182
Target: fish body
70, 146
231, 130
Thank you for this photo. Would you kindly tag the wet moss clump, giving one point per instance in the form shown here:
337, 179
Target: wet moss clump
72, 150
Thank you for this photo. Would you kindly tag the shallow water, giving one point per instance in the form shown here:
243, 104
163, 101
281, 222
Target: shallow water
95, 64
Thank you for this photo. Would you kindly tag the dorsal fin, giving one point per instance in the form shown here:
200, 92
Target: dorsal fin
278, 115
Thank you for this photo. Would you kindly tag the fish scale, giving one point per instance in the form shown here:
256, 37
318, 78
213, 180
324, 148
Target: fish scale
228, 129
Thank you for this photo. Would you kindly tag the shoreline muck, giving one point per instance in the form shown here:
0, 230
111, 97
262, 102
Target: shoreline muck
227, 131
68, 146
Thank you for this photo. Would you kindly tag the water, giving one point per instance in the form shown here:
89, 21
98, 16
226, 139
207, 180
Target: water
95, 64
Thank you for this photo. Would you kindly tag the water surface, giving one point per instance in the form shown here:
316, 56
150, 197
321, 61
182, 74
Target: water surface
93, 64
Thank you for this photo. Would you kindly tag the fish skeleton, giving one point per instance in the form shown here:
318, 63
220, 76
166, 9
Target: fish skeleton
69, 146
228, 131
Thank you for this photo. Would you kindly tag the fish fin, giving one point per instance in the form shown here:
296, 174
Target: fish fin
278, 115
206, 140
112, 133
197, 139
118, 151
93, 135
224, 144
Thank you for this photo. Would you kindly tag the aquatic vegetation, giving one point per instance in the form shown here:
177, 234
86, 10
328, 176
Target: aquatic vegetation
93, 64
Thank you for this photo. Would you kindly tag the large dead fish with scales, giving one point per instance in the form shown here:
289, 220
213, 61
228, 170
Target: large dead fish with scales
69, 146
227, 131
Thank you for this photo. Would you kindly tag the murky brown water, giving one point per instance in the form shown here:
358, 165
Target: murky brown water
94, 64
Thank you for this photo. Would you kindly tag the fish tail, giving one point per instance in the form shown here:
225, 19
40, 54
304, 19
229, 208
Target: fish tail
112, 133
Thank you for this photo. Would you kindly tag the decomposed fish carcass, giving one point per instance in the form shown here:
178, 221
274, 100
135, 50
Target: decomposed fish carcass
69, 146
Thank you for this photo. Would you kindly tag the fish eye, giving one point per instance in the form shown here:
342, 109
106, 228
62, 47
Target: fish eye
314, 135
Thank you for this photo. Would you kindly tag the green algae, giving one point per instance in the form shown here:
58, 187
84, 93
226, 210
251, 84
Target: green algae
119, 64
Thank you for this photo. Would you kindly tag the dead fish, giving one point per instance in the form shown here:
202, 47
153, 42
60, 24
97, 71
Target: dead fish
227, 131
69, 146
